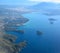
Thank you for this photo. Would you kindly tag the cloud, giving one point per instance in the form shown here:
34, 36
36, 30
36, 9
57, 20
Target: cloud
55, 1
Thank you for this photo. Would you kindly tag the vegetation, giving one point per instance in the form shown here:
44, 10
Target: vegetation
9, 21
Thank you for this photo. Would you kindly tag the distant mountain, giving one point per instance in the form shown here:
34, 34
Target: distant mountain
46, 8
10, 6
16, 8
45, 5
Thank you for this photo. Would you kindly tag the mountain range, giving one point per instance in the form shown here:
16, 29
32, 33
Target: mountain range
47, 8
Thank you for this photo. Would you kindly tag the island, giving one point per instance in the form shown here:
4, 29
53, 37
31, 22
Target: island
39, 32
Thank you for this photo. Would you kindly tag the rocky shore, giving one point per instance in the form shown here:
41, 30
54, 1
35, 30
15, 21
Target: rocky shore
9, 19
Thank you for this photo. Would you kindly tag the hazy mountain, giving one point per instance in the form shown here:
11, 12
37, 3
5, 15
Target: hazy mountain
45, 5
47, 8
15, 8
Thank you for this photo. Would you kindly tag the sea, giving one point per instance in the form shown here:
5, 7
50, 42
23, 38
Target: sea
48, 41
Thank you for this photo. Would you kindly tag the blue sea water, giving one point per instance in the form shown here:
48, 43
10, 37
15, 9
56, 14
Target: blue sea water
48, 42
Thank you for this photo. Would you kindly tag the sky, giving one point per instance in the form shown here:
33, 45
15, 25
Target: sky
56, 1
25, 2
